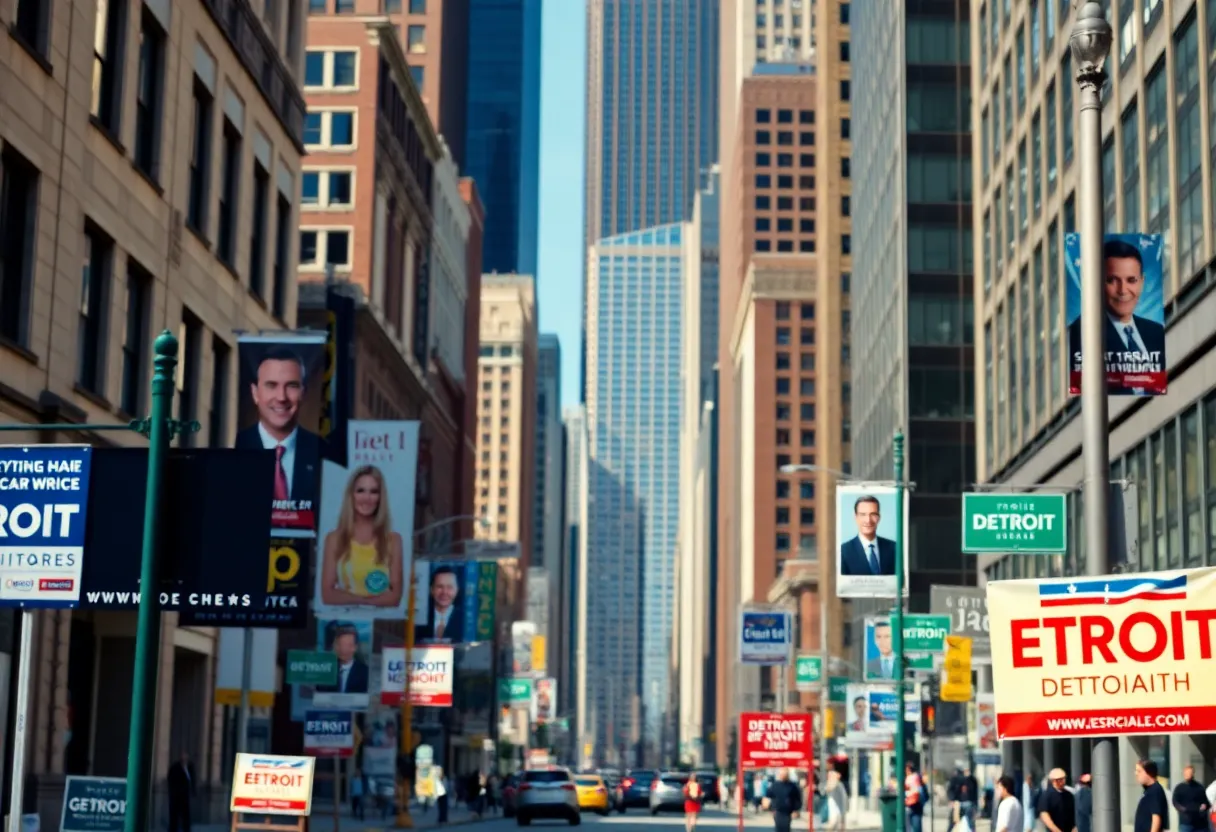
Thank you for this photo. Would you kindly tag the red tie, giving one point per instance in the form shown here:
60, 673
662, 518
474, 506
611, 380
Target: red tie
280, 476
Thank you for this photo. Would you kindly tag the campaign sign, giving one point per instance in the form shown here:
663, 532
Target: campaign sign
44, 493
268, 784
764, 637
329, 733
775, 741
94, 804
430, 670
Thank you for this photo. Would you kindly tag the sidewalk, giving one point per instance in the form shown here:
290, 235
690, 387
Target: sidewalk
322, 820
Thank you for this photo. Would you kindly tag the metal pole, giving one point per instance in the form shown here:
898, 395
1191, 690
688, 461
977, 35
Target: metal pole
242, 724
16, 802
147, 634
825, 683
406, 731
1090, 42
897, 630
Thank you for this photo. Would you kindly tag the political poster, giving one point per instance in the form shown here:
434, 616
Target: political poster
279, 410
366, 523
546, 699
880, 662
775, 741
1133, 306
44, 492
883, 711
329, 733
351, 644
1116, 655
764, 637
266, 784
454, 601
523, 633
869, 717
93, 804
866, 536
987, 746
282, 603
430, 668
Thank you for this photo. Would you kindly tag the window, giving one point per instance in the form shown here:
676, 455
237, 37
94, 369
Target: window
1050, 107
998, 251
18, 232
229, 209
783, 539
1023, 185
806, 387
318, 6
284, 226
846, 208
331, 69
415, 39
329, 129
940, 320
845, 91
806, 516
783, 361
1007, 83
327, 189
844, 13
1036, 161
321, 247
33, 23
783, 335
1035, 25
844, 128
987, 251
1156, 98
1024, 338
936, 40
1188, 239
938, 393
1192, 533
783, 516
108, 28
806, 490
984, 43
806, 411
783, 436
190, 336
257, 235
1108, 175
1127, 30
939, 248
217, 429
1129, 137
1021, 53
984, 142
200, 158
135, 340
844, 51
417, 6
783, 386
783, 412
845, 166
418, 74
148, 96
345, 6
1053, 272
846, 243
94, 304
783, 489
1066, 109
934, 107
782, 310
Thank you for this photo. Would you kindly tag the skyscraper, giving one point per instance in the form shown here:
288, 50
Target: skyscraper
502, 142
548, 500
634, 290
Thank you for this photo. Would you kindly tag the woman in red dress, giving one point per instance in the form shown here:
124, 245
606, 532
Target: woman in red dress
692, 802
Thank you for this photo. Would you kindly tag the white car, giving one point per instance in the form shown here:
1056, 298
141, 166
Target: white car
547, 793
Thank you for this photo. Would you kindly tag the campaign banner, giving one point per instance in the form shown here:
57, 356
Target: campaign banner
430, 668
367, 522
884, 711
279, 410
775, 741
1133, 303
764, 637
523, 633
546, 700
455, 601
93, 804
351, 644
44, 492
1116, 655
266, 784
282, 604
869, 717
329, 733
865, 539
987, 746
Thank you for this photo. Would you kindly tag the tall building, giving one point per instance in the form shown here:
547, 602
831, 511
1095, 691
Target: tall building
125, 132
572, 686
1157, 164
507, 369
503, 127
549, 500
634, 331
912, 287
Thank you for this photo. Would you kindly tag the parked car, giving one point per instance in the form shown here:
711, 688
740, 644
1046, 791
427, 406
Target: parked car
667, 792
547, 793
634, 791
612, 780
592, 793
711, 791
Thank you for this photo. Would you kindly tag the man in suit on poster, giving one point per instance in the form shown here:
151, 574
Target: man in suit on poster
353, 673
867, 553
445, 621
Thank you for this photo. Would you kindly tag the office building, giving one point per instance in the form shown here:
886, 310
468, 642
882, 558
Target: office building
150, 176
549, 500
633, 406
502, 127
574, 701
1158, 179
507, 369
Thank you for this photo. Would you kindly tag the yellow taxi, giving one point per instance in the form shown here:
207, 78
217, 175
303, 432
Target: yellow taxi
592, 793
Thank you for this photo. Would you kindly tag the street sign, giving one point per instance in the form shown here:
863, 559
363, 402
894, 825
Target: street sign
764, 637
967, 607
311, 667
329, 733
925, 633
93, 804
515, 692
838, 688
808, 672
1026, 523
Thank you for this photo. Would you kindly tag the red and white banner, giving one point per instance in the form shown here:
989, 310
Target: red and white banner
430, 668
270, 784
1112, 655
775, 741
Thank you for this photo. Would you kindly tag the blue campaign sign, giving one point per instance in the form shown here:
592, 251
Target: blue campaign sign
94, 804
764, 637
44, 492
329, 733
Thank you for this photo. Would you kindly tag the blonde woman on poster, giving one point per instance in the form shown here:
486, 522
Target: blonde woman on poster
362, 564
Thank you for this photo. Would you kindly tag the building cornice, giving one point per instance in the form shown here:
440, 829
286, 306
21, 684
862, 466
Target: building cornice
772, 277
383, 34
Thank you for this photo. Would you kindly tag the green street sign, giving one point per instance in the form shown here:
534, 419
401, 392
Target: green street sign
919, 661
311, 667
838, 688
1025, 523
926, 634
808, 672
514, 692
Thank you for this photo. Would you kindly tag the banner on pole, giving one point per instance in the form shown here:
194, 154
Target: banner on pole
775, 741
764, 637
430, 670
267, 784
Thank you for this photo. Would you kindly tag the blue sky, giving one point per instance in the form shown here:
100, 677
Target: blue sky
560, 266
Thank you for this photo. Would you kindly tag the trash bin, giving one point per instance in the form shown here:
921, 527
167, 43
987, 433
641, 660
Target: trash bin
889, 811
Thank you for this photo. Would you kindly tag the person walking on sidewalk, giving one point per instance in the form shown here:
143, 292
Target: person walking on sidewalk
1057, 806
1191, 801
916, 795
358, 786
442, 788
1085, 803
963, 793
1153, 810
1008, 808
181, 789
693, 795
784, 799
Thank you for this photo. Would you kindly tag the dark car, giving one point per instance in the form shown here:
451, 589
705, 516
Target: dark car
711, 791
510, 790
612, 779
634, 790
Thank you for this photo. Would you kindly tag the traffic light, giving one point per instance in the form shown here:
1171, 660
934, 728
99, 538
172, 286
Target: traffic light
928, 719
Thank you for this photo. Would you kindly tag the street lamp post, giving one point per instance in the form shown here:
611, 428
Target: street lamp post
1090, 42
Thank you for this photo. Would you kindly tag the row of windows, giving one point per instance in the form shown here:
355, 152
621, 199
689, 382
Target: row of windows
350, 6
785, 160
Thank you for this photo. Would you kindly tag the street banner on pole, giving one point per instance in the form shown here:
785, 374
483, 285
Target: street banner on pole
44, 491
764, 637
967, 607
1133, 297
838, 688
350, 643
456, 599
1114, 655
266, 784
987, 746
866, 717
775, 741
865, 539
956, 670
366, 523
546, 699
1016, 523
808, 673
522, 635
515, 693
430, 668
329, 733
93, 804
924, 636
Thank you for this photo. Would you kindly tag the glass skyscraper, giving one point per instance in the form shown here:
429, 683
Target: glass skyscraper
633, 406
502, 138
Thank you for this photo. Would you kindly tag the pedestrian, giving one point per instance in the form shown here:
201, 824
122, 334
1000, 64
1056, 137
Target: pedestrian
1030, 802
181, 788
915, 797
693, 794
442, 787
1008, 807
358, 786
1191, 801
837, 802
493, 792
784, 800
963, 792
1153, 810
1057, 807
1085, 804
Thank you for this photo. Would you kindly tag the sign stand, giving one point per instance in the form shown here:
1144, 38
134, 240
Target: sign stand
300, 824
17, 786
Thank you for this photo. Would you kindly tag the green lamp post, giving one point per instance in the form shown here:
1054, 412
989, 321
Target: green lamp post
897, 631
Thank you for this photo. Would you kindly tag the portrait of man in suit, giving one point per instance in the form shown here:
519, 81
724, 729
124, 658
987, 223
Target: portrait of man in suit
880, 656
1124, 331
867, 553
860, 713
277, 389
445, 619
353, 673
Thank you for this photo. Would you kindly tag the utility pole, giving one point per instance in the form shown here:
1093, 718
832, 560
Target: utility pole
897, 629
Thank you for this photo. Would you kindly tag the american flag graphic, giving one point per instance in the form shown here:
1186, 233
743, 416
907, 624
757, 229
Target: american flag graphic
261, 762
1105, 591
